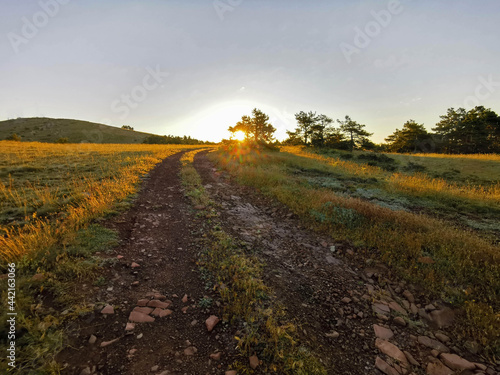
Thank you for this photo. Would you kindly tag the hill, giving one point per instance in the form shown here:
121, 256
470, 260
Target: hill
42, 129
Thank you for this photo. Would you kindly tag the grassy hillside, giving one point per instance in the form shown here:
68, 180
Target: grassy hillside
41, 129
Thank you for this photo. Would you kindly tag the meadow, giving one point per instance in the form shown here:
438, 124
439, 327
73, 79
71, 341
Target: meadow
434, 232
52, 198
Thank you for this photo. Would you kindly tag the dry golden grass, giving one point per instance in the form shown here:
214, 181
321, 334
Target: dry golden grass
417, 184
52, 190
465, 269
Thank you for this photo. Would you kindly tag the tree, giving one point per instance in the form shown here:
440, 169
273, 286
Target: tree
355, 132
305, 122
473, 131
256, 128
320, 130
128, 127
407, 139
263, 130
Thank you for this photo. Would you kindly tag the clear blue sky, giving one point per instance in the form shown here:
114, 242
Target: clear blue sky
195, 67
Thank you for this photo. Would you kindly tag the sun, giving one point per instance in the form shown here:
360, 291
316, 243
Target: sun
239, 136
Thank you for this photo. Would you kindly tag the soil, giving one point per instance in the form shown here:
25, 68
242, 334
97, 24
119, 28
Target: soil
327, 290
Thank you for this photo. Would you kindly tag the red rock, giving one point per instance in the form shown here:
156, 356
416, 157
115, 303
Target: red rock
185, 309
211, 322
382, 332
134, 265
119, 257
130, 327
231, 372
391, 350
433, 344
411, 359
106, 343
185, 298
442, 337
254, 361
144, 310
443, 317
216, 356
138, 317
480, 366
413, 308
409, 296
346, 300
437, 368
158, 303
385, 367
399, 321
456, 362
380, 308
142, 302
396, 307
108, 309
160, 297
135, 283
190, 351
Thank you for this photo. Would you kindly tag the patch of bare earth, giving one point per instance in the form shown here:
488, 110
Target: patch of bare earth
354, 315
147, 318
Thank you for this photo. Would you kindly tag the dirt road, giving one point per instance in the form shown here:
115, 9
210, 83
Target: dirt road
352, 313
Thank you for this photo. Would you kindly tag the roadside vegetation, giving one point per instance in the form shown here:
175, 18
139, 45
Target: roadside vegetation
52, 197
248, 302
435, 233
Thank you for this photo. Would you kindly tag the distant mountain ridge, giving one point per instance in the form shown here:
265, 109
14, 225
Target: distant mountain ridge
43, 129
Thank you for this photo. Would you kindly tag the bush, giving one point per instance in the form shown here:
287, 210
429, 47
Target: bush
13, 137
62, 140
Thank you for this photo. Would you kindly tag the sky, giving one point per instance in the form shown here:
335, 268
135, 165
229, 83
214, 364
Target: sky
195, 67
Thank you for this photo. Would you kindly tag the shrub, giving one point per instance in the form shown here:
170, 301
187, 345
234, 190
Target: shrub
13, 137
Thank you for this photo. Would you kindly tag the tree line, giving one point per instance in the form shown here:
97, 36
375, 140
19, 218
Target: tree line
459, 131
173, 140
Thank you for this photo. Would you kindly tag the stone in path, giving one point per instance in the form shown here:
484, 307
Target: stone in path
106, 343
382, 332
456, 362
437, 368
254, 361
158, 303
433, 344
138, 317
216, 356
211, 322
108, 309
385, 367
392, 351
396, 307
189, 351
144, 310
380, 308
134, 265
